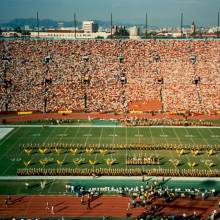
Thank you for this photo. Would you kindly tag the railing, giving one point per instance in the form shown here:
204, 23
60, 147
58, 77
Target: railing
107, 39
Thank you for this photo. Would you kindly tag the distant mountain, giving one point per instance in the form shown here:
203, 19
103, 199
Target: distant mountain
32, 22
186, 26
48, 23
106, 24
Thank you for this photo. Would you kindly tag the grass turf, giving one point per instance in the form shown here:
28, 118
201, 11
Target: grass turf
13, 158
57, 186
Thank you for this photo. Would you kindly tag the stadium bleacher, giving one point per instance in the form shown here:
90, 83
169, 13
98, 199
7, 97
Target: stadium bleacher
69, 82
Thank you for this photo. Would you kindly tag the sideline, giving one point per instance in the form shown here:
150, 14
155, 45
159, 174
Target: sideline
102, 126
108, 178
58, 126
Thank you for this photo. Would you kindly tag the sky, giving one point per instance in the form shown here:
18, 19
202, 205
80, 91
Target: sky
160, 12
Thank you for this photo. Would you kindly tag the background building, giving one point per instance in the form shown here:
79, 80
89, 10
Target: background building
193, 28
134, 32
90, 27
69, 34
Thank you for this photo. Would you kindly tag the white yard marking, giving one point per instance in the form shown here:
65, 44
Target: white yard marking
87, 135
138, 135
212, 134
36, 135
20, 152
152, 139
202, 136
4, 132
113, 135
163, 135
215, 136
100, 137
189, 135
62, 135
126, 140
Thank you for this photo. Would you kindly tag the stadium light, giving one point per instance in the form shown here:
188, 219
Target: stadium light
197, 80
85, 58
123, 78
47, 59
38, 26
160, 79
120, 58
192, 58
218, 25
146, 25
5, 58
156, 57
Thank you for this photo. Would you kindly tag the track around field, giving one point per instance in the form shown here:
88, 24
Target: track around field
114, 206
39, 116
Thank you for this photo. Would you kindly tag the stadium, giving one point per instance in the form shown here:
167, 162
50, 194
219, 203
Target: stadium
130, 125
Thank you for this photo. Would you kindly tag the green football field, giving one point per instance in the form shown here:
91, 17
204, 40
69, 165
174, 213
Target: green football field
65, 138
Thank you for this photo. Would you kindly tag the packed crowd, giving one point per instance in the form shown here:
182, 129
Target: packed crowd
89, 76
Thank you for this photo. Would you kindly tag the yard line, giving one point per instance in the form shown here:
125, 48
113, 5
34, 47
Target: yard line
48, 137
139, 136
197, 130
152, 139
215, 155
193, 144
20, 152
74, 137
113, 140
163, 135
154, 151
85, 144
61, 136
187, 160
180, 143
189, 136
87, 137
100, 137
142, 166
166, 142
51, 185
113, 136
71, 142
126, 137
174, 131
126, 144
210, 131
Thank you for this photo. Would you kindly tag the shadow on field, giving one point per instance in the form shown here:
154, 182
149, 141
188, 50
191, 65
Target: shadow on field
96, 205
32, 186
209, 183
17, 200
58, 204
61, 209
